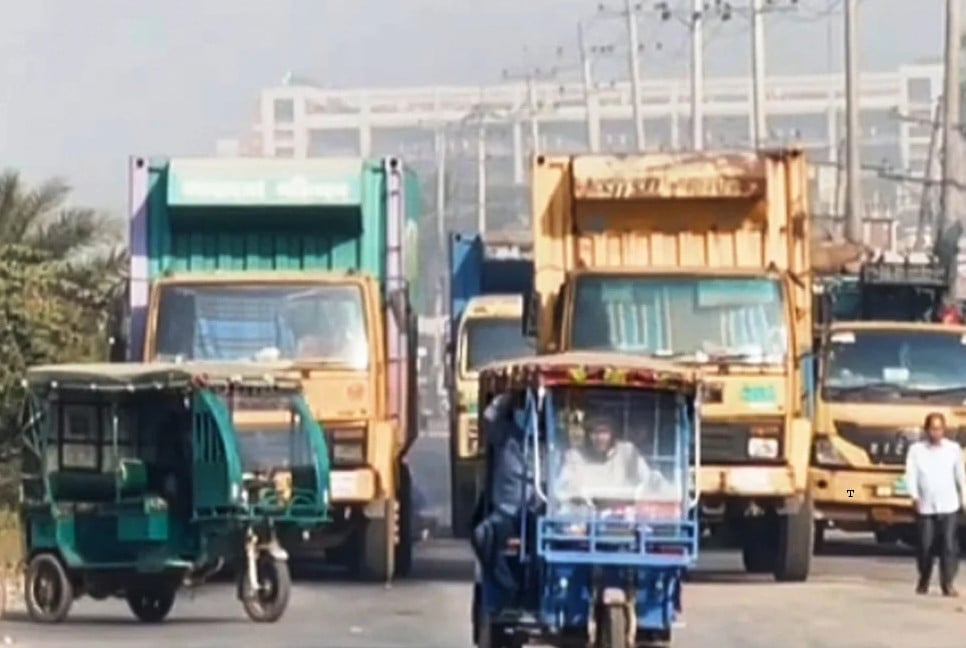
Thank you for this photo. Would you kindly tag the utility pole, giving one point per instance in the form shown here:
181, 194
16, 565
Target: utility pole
926, 199
633, 52
759, 124
441, 149
530, 75
586, 66
950, 117
481, 178
853, 214
697, 75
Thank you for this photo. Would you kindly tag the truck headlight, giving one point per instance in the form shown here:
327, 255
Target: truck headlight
762, 448
348, 446
826, 454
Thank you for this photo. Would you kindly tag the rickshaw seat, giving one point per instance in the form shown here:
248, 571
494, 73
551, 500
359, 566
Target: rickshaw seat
81, 486
90, 486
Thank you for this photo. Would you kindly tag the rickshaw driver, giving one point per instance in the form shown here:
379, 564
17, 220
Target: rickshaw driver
606, 467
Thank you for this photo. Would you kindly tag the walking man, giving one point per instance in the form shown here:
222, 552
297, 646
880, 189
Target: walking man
937, 484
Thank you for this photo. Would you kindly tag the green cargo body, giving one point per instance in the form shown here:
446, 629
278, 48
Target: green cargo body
260, 214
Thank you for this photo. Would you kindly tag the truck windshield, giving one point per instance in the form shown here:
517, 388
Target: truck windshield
491, 339
889, 366
701, 318
262, 322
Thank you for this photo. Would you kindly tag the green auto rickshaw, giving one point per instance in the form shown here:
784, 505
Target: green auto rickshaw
140, 479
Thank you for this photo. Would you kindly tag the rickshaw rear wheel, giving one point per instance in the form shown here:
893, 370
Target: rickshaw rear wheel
268, 604
150, 602
612, 627
49, 592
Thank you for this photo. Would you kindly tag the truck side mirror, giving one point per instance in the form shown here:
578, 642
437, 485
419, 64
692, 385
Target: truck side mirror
531, 314
399, 303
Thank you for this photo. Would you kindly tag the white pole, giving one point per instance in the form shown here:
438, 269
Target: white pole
759, 121
586, 64
481, 179
697, 75
853, 223
634, 72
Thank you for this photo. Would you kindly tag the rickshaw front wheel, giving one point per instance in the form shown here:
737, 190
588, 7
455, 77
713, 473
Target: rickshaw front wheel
150, 602
49, 592
612, 627
268, 603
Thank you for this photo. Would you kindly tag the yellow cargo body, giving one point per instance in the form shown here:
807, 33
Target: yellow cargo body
702, 258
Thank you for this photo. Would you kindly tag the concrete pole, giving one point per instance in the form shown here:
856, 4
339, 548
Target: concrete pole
532, 107
759, 127
950, 116
697, 75
441, 146
634, 64
481, 179
853, 209
586, 65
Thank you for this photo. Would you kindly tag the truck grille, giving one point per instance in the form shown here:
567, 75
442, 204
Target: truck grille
727, 443
887, 445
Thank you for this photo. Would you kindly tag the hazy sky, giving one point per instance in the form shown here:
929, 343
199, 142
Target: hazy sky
84, 83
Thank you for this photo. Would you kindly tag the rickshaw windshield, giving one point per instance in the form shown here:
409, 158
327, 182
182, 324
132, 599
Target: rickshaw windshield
617, 449
269, 433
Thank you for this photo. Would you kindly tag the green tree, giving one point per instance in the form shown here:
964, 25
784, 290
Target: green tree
61, 276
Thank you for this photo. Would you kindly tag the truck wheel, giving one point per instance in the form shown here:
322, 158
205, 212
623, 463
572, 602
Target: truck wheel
48, 591
796, 536
404, 522
759, 544
377, 554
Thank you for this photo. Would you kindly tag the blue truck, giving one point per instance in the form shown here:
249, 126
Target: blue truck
489, 277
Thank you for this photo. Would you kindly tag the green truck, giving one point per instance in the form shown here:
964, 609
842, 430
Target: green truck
310, 263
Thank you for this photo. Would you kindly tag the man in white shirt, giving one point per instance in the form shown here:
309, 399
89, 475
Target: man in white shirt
937, 484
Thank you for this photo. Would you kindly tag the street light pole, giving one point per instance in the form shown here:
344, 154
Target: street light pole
759, 124
853, 215
697, 75
586, 65
635, 74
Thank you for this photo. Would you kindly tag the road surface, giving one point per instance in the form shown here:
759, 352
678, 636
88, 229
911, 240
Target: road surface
858, 597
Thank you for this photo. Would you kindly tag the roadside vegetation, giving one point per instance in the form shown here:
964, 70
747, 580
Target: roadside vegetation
61, 281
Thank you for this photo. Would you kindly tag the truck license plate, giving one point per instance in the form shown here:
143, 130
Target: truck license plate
899, 487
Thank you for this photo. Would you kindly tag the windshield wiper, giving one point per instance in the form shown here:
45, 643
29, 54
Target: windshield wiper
942, 391
870, 386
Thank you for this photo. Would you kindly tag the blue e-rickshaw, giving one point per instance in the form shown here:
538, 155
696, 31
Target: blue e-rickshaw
588, 519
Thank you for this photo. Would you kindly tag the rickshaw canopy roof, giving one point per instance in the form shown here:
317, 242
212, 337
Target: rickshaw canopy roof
589, 369
138, 376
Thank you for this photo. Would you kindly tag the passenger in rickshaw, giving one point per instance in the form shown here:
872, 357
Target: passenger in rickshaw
601, 465
504, 428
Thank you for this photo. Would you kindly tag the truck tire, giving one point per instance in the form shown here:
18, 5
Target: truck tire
796, 537
377, 555
404, 523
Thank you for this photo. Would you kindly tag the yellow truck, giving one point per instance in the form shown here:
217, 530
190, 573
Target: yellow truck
307, 263
885, 364
702, 258
489, 276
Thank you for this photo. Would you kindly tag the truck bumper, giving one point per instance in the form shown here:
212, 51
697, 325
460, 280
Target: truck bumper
859, 500
357, 486
747, 481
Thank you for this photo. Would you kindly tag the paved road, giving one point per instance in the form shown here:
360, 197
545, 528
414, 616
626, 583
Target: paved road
856, 599
859, 597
